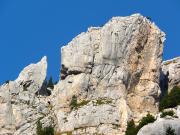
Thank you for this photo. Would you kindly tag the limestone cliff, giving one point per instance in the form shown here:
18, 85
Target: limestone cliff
117, 65
109, 75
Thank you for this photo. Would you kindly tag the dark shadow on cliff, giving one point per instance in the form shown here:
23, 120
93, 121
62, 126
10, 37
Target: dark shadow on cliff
164, 79
43, 91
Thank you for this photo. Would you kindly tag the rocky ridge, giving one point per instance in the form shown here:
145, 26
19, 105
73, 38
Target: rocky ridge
20, 103
109, 75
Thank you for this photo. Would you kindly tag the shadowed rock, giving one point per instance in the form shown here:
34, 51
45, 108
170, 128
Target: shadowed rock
170, 74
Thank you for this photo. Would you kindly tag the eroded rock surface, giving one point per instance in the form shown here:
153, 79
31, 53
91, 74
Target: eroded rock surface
20, 104
117, 65
170, 76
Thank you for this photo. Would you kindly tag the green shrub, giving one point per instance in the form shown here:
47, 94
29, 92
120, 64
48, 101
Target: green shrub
146, 120
48, 130
82, 103
170, 131
64, 133
170, 100
102, 101
39, 128
131, 128
167, 113
73, 103
44, 131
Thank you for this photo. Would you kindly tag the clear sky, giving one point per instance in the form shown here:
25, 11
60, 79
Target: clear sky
30, 29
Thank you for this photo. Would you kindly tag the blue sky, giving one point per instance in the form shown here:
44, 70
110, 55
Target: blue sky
30, 29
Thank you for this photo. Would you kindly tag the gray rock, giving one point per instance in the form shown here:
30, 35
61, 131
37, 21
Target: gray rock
33, 76
20, 104
121, 62
171, 73
160, 127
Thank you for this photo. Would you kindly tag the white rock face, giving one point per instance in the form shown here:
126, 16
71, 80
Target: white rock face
34, 73
119, 63
20, 105
160, 127
171, 73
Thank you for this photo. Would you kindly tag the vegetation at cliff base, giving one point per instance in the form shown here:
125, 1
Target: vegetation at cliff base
170, 100
132, 129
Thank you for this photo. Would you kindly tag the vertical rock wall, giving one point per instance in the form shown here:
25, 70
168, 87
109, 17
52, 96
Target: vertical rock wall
113, 71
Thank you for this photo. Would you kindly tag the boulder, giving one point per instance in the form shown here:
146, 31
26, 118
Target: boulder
159, 127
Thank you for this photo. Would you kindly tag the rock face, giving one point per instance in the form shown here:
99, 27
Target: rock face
170, 73
34, 73
20, 104
160, 127
113, 72
109, 75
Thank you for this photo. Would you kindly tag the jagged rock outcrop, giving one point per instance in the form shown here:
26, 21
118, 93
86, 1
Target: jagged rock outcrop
113, 71
20, 104
170, 76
